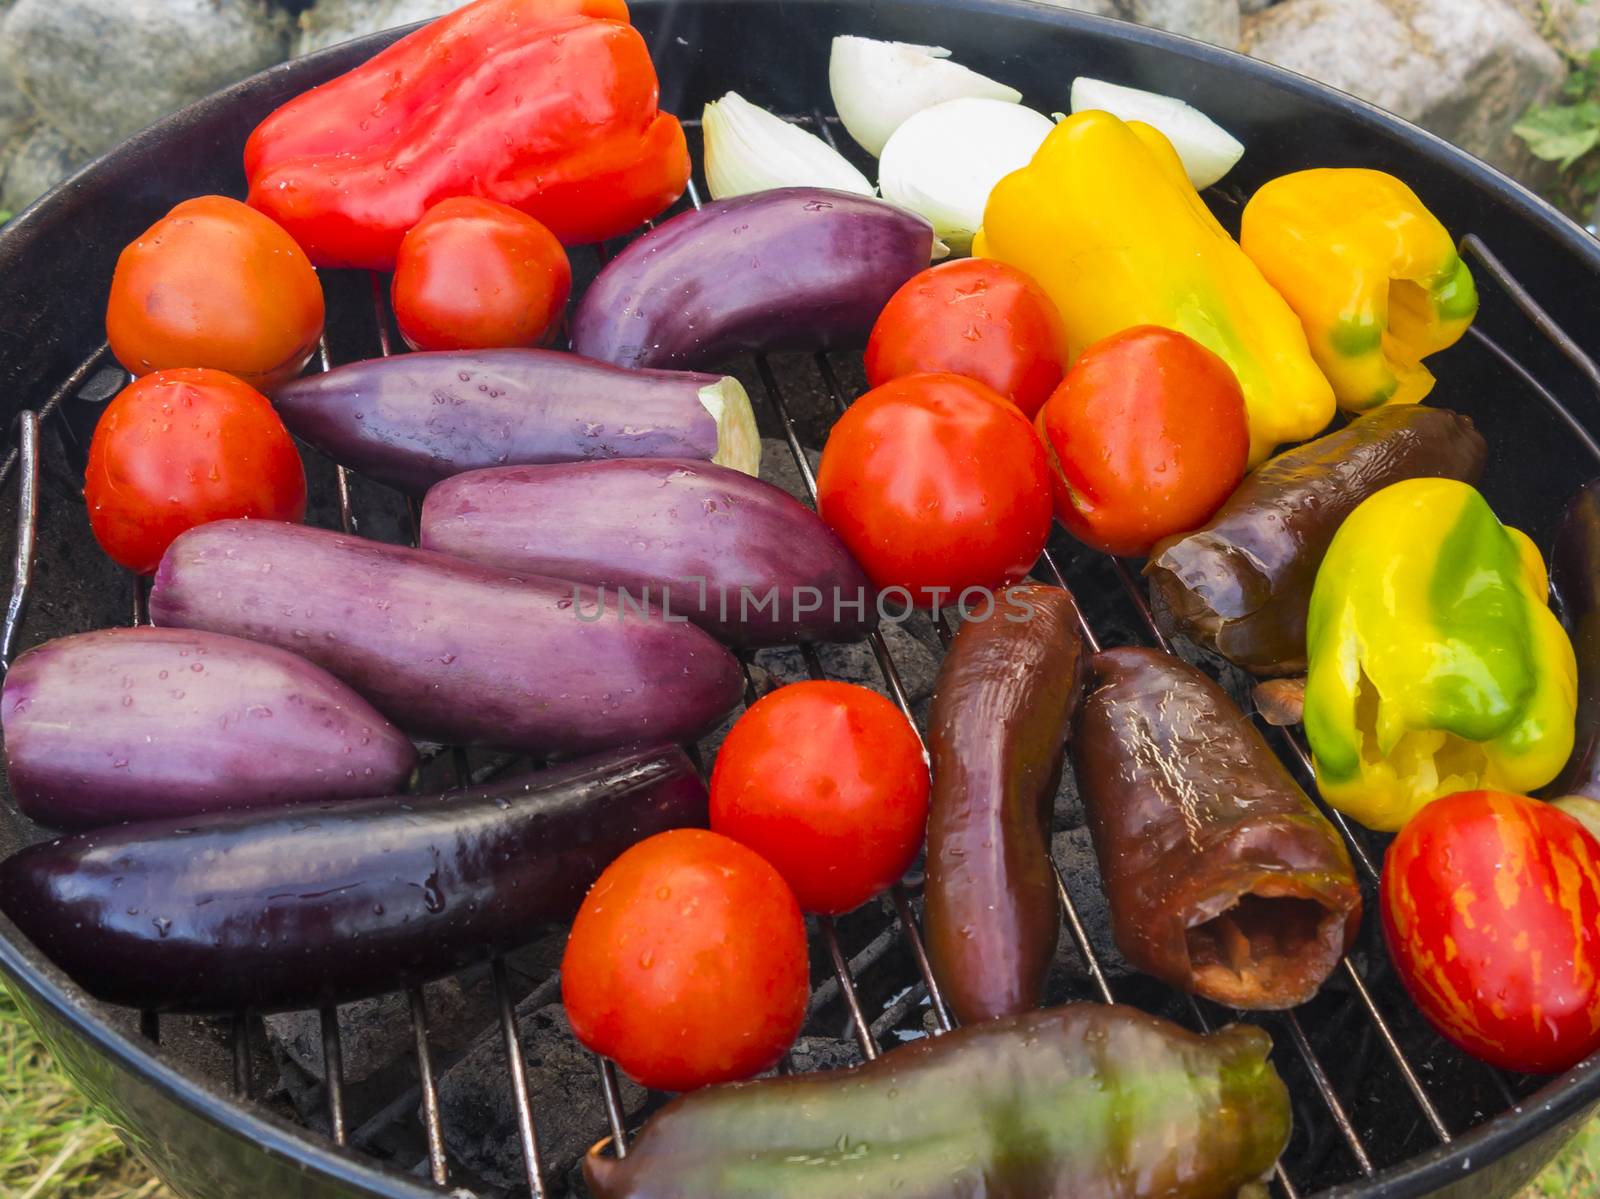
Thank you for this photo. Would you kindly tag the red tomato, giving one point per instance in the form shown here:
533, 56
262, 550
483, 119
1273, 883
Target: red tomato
827, 782
474, 274
1491, 907
973, 317
214, 283
1147, 437
936, 484
180, 448
687, 963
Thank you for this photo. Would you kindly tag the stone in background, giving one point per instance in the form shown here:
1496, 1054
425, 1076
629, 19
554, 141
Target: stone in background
333, 21
1466, 69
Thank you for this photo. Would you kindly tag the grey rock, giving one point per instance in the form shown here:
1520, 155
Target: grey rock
36, 162
811, 1054
1250, 6
99, 70
1100, 8
333, 21
1573, 25
16, 110
479, 1112
1465, 71
1215, 21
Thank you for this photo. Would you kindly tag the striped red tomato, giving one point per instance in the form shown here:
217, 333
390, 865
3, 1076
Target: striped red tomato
1491, 907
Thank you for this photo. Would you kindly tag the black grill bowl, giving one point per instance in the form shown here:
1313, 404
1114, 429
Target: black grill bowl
1531, 388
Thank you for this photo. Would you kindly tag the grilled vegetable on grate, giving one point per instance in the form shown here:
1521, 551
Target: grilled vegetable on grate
215, 284
1241, 583
1077, 1102
740, 557
474, 274
414, 419
1002, 710
559, 121
1575, 579
1223, 877
687, 963
142, 723
1435, 663
450, 650
1374, 277
321, 903
1106, 221
799, 268
1491, 908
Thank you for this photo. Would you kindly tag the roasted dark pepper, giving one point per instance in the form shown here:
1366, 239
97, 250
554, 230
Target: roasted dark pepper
1241, 583
1224, 879
1575, 579
1088, 1101
1002, 709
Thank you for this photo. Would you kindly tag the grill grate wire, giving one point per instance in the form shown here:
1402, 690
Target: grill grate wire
905, 925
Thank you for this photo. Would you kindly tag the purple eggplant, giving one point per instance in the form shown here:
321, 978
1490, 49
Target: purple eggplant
450, 650
137, 724
414, 419
1575, 578
322, 903
798, 268
739, 557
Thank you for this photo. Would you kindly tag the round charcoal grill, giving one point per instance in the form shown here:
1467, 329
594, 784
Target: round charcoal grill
1382, 1106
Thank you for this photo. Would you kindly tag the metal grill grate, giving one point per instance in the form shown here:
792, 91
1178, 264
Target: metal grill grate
903, 926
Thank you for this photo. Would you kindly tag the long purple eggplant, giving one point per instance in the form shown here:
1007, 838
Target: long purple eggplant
414, 419
739, 557
450, 650
797, 268
1575, 578
322, 903
137, 724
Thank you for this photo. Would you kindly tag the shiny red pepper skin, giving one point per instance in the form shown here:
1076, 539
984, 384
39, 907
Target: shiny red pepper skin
371, 103
560, 123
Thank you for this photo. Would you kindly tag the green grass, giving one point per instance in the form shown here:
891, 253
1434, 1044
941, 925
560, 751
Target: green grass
52, 1146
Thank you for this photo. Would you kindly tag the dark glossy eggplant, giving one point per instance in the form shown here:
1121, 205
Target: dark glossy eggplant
1002, 709
322, 903
413, 419
796, 268
741, 558
1224, 878
1241, 583
1575, 579
450, 650
141, 723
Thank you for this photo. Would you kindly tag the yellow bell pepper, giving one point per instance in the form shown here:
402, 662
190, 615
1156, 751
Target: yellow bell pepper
1107, 222
1435, 663
1375, 278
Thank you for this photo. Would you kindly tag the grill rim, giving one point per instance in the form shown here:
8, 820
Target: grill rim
1560, 1102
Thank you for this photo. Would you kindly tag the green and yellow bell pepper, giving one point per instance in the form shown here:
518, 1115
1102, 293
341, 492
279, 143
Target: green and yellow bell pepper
1435, 663
1373, 275
1105, 219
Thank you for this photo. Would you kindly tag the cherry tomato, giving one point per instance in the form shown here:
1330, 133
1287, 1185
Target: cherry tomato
973, 317
180, 448
1491, 907
687, 963
936, 484
216, 284
1147, 437
827, 782
474, 274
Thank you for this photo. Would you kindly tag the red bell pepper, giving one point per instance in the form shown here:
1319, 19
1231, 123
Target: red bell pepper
557, 119
370, 103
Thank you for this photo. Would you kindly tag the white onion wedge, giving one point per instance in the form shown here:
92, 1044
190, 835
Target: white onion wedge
1208, 150
944, 161
748, 149
877, 85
